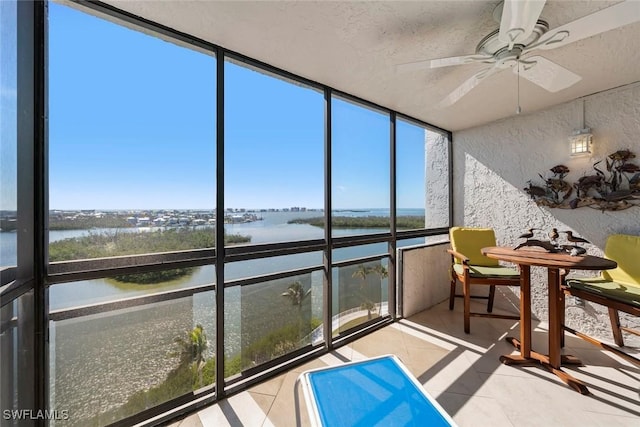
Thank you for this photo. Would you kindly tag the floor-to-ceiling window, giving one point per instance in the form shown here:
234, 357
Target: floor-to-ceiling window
132, 181
21, 296
273, 185
8, 130
422, 180
360, 169
9, 332
172, 163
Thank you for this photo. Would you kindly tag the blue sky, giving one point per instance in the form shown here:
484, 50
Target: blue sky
132, 126
8, 116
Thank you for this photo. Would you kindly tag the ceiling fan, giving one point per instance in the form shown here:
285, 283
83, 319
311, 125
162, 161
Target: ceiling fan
521, 32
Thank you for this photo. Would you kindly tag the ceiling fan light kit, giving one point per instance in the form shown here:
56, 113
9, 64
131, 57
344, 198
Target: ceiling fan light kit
521, 32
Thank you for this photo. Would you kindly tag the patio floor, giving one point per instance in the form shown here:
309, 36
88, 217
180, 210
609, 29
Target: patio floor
464, 374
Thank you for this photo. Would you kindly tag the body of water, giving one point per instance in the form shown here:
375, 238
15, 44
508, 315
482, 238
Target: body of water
272, 228
86, 353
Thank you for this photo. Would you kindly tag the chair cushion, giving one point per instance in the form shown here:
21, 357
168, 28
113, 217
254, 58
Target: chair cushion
488, 271
629, 294
468, 241
625, 250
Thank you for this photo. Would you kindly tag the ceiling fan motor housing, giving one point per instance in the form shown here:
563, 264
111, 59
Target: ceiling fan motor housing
491, 45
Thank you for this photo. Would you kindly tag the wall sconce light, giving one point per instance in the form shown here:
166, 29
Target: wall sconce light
580, 142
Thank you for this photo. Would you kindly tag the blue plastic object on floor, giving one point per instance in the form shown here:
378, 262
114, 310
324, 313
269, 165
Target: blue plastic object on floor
374, 392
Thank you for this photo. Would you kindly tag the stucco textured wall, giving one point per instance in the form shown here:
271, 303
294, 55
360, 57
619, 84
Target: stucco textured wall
493, 163
436, 179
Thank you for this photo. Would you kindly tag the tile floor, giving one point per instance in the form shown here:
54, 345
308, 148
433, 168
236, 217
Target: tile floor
465, 376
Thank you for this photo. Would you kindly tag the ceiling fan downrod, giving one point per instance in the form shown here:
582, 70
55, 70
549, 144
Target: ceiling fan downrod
518, 109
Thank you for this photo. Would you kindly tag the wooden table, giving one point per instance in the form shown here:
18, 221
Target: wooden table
554, 262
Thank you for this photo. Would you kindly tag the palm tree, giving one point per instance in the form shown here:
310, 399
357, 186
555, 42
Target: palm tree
192, 349
369, 306
296, 293
361, 272
381, 271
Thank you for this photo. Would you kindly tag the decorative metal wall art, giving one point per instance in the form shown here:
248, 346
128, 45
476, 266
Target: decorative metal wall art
615, 189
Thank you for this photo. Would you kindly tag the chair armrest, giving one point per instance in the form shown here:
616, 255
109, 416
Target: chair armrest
458, 255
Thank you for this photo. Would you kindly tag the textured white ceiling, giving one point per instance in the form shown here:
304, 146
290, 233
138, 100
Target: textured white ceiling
355, 46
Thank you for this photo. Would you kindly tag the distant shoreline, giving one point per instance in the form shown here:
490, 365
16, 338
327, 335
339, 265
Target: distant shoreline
403, 222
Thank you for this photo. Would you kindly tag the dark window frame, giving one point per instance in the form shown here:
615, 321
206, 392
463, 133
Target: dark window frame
34, 271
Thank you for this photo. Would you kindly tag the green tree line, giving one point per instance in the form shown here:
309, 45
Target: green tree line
109, 244
402, 222
84, 223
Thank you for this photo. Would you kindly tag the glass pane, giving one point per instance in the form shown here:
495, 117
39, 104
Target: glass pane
276, 264
361, 294
361, 251
8, 132
274, 156
16, 357
271, 319
131, 140
273, 225
108, 366
410, 175
66, 245
416, 241
64, 296
360, 169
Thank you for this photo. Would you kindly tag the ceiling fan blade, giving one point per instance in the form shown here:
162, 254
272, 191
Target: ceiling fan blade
518, 19
547, 74
468, 85
461, 60
616, 16
444, 62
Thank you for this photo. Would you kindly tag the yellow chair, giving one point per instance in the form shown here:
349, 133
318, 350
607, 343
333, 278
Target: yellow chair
617, 289
470, 267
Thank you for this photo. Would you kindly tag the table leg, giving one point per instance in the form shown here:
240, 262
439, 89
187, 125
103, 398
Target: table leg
555, 358
525, 311
524, 344
554, 317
